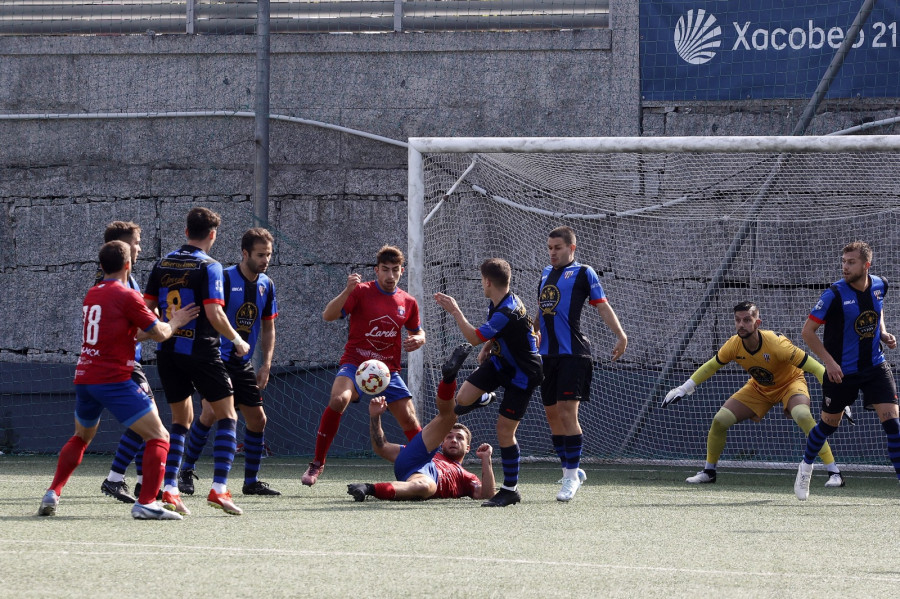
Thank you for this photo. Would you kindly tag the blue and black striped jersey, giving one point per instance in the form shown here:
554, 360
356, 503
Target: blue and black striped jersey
247, 304
561, 296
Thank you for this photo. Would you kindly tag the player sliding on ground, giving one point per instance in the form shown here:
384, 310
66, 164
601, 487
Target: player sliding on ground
430, 466
776, 369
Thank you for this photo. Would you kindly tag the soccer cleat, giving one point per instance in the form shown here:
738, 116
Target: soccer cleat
153, 511
312, 474
503, 498
360, 490
224, 502
835, 479
118, 489
569, 487
801, 483
450, 368
582, 476
49, 503
259, 488
485, 399
186, 478
172, 501
137, 492
704, 476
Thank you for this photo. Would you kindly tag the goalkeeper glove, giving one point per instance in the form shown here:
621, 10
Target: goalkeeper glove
849, 416
677, 393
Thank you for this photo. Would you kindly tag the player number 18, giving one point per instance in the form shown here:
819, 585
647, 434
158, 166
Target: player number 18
91, 324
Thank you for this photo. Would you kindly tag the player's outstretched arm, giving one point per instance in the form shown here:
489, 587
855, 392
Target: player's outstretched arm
219, 320
333, 309
814, 367
414, 341
164, 330
449, 304
690, 385
381, 446
488, 483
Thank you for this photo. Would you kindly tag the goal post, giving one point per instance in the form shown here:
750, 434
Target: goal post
680, 230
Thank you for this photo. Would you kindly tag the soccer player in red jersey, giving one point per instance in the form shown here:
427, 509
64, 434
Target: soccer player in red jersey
430, 466
378, 311
112, 316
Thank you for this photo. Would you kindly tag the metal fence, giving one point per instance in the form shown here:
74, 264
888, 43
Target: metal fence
43, 17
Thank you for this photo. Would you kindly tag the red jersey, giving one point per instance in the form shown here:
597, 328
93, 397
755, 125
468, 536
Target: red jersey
376, 318
454, 481
112, 315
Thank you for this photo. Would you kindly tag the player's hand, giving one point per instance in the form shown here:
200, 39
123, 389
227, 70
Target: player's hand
262, 376
184, 315
484, 452
241, 347
849, 416
353, 279
619, 348
485, 352
889, 340
413, 342
675, 395
447, 303
834, 372
377, 406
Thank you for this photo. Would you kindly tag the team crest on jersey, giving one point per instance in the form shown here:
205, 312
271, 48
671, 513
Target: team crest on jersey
245, 317
762, 376
549, 299
877, 294
262, 289
401, 310
865, 324
382, 333
766, 357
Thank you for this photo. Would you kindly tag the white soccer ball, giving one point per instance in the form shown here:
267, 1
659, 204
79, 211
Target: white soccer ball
373, 377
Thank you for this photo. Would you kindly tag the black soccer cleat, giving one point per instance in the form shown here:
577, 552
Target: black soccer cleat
186, 478
485, 399
450, 368
359, 491
503, 498
118, 489
259, 488
137, 492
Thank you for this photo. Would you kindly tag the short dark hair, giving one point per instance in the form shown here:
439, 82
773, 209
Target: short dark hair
865, 252
459, 426
389, 254
119, 230
747, 307
253, 236
113, 256
564, 233
201, 222
497, 271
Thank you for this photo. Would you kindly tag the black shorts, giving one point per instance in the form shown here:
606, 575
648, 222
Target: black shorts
566, 378
140, 378
877, 385
243, 380
181, 375
515, 400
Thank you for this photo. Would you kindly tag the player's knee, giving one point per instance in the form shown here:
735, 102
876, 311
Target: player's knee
724, 419
802, 416
423, 488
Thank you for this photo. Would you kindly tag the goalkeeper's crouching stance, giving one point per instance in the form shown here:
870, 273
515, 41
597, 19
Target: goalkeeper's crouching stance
776, 369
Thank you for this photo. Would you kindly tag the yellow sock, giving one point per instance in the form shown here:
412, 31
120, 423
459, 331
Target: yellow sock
718, 433
805, 421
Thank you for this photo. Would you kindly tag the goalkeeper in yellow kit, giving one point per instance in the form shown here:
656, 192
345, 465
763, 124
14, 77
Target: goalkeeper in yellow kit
776, 369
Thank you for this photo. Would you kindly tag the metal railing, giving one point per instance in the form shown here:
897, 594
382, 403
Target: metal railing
43, 17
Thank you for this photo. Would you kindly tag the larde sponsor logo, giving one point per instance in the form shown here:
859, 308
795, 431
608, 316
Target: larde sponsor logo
698, 37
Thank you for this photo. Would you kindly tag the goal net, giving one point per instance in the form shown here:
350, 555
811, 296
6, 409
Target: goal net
679, 230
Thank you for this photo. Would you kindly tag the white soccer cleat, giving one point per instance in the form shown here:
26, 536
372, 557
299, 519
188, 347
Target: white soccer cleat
801, 483
704, 476
153, 511
835, 479
582, 476
569, 488
49, 503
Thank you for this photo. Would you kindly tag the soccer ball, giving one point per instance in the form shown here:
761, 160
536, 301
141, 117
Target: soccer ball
373, 377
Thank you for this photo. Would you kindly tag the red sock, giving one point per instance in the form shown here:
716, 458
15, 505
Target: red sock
410, 435
154, 467
446, 391
328, 428
69, 457
384, 491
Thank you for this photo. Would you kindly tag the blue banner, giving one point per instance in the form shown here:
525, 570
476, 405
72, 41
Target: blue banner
765, 49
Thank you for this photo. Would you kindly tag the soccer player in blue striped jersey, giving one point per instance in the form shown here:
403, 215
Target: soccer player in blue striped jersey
851, 349
568, 368
509, 359
191, 360
251, 308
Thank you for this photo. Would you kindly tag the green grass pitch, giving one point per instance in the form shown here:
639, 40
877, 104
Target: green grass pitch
630, 532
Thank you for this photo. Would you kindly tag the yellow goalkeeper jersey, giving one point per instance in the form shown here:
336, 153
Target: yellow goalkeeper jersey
776, 363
